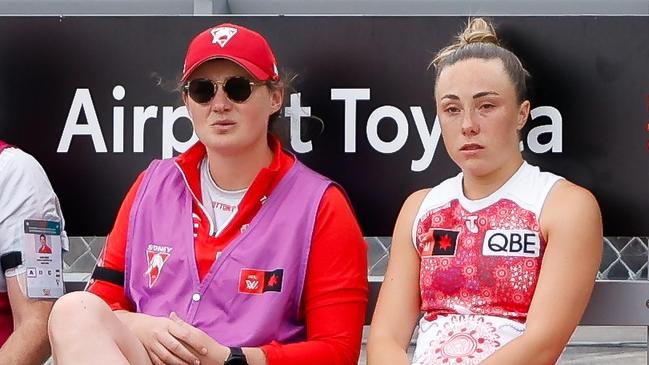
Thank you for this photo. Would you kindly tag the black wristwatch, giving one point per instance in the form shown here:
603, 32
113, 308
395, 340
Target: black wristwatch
236, 357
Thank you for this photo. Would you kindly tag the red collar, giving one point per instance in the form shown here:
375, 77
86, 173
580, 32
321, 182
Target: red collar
266, 179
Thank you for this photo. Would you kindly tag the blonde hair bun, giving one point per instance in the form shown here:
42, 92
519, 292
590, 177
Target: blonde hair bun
477, 30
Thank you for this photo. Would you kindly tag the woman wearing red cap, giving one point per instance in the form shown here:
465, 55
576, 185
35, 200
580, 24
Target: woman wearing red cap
501, 259
233, 252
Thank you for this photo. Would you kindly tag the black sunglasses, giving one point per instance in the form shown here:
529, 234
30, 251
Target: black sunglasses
237, 88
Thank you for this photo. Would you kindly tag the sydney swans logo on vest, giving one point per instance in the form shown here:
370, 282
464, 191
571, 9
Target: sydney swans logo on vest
222, 35
156, 256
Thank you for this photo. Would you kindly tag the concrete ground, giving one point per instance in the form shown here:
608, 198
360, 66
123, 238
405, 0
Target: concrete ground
591, 345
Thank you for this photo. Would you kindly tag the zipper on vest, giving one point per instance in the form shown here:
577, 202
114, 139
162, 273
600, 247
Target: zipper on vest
200, 204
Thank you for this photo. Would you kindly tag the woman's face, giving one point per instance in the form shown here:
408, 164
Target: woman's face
480, 115
227, 127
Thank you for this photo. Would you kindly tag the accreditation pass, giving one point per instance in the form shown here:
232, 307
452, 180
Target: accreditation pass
42, 259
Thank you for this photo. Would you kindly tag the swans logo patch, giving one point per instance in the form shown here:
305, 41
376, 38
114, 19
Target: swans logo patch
156, 256
252, 281
222, 35
439, 242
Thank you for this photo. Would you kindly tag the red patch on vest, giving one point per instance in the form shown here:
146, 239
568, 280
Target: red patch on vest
252, 281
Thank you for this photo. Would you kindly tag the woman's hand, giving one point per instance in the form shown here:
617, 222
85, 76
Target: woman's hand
199, 342
155, 335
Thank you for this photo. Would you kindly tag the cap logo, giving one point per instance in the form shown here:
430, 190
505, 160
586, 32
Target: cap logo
222, 35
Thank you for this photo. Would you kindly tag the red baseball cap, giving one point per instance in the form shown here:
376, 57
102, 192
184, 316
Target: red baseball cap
241, 45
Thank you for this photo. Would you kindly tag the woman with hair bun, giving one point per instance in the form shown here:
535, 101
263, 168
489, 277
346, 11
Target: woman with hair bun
500, 259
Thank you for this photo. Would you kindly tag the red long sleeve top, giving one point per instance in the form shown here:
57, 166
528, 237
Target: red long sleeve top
335, 289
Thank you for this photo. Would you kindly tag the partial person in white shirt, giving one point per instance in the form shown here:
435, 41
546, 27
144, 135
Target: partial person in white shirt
25, 193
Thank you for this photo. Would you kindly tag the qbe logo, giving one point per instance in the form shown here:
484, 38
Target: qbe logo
511, 242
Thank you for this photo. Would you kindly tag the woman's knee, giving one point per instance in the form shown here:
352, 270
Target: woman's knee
76, 310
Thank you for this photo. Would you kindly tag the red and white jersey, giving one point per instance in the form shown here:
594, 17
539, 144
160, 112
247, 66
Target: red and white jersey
480, 261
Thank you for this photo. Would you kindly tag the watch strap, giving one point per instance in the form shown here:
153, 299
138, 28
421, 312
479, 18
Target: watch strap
236, 356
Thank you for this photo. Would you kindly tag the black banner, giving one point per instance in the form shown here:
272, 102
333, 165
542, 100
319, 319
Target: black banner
94, 100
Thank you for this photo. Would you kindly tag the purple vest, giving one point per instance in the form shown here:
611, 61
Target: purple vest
251, 294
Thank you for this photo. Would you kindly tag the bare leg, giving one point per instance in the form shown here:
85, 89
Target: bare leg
84, 330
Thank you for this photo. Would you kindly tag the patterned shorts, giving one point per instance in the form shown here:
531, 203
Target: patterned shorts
462, 339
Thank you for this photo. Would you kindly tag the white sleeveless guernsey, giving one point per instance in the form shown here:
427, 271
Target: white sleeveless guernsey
480, 261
